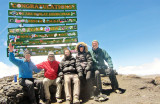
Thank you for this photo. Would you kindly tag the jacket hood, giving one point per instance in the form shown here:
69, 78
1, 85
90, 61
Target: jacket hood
84, 44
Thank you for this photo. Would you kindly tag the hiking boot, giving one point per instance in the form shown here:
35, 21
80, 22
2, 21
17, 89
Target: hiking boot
41, 102
59, 100
118, 91
101, 98
47, 101
68, 102
91, 95
76, 101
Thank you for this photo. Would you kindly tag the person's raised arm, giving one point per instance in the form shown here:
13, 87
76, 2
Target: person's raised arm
11, 56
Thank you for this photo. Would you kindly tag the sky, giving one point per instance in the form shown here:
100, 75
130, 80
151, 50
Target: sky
129, 30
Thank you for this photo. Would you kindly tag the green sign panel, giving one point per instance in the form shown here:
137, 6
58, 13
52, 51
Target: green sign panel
33, 38
42, 14
36, 51
41, 29
42, 21
24, 36
44, 42
38, 6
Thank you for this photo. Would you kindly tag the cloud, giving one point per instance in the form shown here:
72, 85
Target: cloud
144, 69
6, 70
39, 59
5, 43
5, 28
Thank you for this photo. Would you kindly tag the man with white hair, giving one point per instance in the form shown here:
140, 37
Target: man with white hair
51, 67
99, 56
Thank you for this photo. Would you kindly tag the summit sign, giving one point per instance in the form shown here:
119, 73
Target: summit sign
15, 5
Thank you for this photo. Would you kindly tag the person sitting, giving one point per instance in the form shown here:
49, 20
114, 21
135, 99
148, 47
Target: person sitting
83, 66
68, 70
26, 67
51, 67
99, 56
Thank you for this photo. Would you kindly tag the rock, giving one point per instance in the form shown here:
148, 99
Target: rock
3, 100
133, 76
11, 93
157, 81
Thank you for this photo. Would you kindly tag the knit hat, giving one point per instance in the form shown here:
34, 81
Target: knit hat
81, 46
50, 53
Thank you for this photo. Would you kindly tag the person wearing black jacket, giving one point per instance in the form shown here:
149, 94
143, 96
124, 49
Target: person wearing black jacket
68, 70
83, 66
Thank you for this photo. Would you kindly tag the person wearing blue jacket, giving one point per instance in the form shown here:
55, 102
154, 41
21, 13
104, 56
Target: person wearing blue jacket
26, 67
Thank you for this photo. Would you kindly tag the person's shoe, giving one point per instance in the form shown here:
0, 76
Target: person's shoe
68, 102
47, 101
76, 101
59, 100
118, 91
91, 95
41, 102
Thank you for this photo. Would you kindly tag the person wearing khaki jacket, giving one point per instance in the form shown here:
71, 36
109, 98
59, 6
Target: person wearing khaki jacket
68, 70
83, 66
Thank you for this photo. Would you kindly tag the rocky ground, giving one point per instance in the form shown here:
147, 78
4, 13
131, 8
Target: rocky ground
136, 90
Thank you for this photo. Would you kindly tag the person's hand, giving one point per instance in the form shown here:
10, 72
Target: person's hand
80, 75
11, 48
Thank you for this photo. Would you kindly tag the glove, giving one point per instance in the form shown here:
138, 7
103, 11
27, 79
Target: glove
61, 75
80, 74
109, 71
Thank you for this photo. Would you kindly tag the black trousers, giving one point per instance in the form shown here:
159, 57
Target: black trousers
86, 83
29, 84
112, 77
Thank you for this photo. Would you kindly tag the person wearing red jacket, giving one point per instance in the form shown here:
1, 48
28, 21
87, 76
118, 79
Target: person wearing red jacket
51, 67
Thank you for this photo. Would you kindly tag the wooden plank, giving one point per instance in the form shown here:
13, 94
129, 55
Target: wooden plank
41, 29
40, 6
37, 51
42, 14
24, 36
42, 21
43, 42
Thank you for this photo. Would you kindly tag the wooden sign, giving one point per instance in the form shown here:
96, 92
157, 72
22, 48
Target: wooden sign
38, 6
41, 29
42, 21
42, 14
23, 36
36, 51
43, 42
